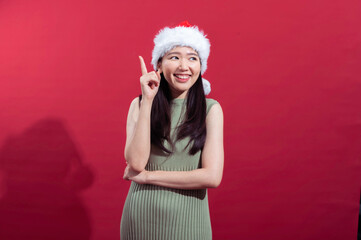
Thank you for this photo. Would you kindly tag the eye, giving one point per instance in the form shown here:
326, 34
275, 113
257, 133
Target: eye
194, 58
173, 57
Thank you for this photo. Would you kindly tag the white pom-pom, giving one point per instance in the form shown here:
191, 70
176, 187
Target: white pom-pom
206, 86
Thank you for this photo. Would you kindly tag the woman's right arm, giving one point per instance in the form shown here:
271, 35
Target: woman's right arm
137, 146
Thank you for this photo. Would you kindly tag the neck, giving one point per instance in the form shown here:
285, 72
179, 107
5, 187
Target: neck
179, 95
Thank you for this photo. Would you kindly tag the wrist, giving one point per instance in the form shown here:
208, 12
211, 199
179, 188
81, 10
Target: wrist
146, 101
148, 177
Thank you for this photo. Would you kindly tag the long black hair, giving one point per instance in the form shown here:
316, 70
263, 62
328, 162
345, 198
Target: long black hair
194, 124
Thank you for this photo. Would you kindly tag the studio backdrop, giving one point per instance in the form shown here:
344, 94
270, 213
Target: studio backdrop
286, 73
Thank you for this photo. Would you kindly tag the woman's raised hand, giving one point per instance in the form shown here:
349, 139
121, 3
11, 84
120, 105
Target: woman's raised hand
149, 81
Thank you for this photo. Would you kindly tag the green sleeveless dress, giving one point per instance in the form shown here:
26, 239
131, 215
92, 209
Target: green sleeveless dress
154, 212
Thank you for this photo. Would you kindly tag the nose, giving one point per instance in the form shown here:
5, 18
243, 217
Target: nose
183, 65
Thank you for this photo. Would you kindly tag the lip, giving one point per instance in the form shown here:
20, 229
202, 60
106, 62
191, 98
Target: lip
181, 79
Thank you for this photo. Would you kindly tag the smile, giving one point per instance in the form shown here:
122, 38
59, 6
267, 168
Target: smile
182, 77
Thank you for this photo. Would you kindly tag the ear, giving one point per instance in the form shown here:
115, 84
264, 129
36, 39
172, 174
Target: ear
159, 65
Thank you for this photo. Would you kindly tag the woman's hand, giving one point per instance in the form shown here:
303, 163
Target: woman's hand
149, 81
138, 177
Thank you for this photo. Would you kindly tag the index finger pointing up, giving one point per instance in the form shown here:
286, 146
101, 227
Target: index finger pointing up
142, 66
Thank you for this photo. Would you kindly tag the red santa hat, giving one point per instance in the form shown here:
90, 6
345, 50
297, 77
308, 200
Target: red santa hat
183, 35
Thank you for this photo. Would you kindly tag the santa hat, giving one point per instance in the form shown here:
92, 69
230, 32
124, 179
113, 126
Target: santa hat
183, 35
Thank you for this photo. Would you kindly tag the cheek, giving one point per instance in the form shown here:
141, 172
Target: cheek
168, 69
167, 65
167, 74
196, 67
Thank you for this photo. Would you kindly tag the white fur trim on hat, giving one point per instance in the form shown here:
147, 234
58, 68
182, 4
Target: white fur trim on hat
168, 38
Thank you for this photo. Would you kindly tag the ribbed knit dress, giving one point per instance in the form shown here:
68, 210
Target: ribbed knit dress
154, 212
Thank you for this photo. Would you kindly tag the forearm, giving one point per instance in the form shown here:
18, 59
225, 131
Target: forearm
195, 179
138, 151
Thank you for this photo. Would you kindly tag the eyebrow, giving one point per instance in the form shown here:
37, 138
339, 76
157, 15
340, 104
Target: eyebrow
180, 53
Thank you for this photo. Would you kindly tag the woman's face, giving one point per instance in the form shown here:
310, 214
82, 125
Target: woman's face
181, 67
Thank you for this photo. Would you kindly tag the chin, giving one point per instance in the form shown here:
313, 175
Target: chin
182, 88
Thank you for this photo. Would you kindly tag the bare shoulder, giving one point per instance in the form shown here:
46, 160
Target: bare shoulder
215, 110
134, 109
214, 119
135, 102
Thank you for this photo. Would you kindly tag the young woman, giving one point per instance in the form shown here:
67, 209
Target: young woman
174, 146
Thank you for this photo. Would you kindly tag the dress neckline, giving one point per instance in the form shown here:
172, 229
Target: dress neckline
178, 101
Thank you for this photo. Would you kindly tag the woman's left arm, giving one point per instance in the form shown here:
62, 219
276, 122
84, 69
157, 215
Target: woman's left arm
209, 176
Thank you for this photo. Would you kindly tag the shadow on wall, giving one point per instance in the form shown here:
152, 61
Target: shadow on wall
41, 173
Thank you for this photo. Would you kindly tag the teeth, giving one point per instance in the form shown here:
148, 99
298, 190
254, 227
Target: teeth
182, 76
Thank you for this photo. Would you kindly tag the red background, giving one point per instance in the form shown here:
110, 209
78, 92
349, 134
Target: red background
287, 74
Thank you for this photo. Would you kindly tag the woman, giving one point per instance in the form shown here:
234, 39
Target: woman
174, 146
